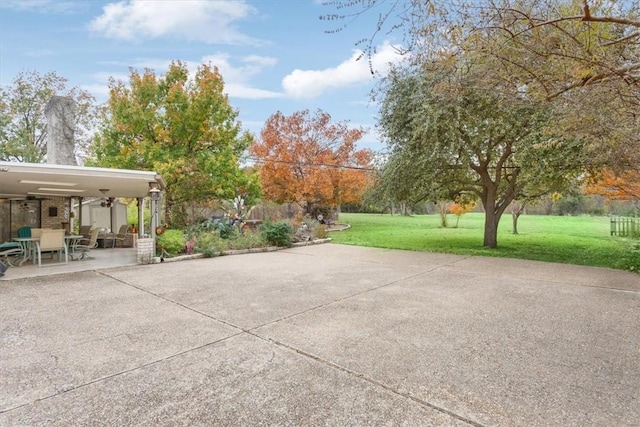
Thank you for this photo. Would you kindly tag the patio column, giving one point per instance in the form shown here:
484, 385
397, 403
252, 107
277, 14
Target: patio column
140, 216
80, 200
155, 195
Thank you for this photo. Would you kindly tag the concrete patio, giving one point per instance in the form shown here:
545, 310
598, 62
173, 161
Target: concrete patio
99, 259
322, 335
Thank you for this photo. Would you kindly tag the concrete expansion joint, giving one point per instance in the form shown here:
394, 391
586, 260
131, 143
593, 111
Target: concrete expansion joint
146, 291
328, 303
373, 382
69, 387
462, 258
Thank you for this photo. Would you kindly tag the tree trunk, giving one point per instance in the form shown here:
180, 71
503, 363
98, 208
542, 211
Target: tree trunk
491, 219
516, 210
442, 208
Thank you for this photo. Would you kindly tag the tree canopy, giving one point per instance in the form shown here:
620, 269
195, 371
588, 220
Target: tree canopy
554, 45
448, 138
581, 55
23, 124
615, 186
311, 160
180, 126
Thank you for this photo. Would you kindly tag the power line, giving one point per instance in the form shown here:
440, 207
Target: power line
320, 165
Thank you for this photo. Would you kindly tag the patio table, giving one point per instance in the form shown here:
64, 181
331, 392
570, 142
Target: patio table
72, 241
103, 238
28, 248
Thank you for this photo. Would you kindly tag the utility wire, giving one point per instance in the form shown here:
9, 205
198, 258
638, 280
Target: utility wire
319, 165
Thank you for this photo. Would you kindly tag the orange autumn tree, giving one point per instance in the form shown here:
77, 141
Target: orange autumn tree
311, 161
621, 186
462, 206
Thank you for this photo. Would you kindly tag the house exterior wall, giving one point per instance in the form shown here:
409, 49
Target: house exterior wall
61, 207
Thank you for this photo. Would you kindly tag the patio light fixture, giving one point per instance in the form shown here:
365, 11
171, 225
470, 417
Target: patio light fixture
155, 193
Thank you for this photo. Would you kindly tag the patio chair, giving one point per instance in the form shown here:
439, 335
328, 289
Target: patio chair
24, 232
52, 241
85, 231
11, 251
84, 245
121, 235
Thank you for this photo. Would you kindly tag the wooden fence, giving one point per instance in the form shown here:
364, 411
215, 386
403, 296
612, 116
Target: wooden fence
625, 226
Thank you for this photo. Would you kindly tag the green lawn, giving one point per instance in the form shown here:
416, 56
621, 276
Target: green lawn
582, 240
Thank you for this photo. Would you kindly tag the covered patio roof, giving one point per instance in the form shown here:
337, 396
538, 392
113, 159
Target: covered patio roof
30, 179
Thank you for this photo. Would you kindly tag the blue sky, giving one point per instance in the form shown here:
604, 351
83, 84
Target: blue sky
274, 55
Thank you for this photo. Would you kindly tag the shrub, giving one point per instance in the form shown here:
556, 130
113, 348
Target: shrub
210, 243
278, 233
227, 231
250, 239
320, 232
171, 241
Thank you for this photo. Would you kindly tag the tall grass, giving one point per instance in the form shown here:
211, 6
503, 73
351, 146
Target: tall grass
581, 240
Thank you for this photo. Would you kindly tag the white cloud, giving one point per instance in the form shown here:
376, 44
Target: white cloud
311, 83
236, 77
252, 65
241, 90
99, 91
205, 21
43, 6
39, 53
100, 86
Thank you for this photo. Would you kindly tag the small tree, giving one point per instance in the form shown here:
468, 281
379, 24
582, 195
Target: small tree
462, 206
23, 124
311, 161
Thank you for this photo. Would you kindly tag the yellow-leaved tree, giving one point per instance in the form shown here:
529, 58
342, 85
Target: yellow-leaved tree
181, 127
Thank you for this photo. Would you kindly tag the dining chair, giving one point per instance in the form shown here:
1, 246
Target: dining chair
52, 241
24, 232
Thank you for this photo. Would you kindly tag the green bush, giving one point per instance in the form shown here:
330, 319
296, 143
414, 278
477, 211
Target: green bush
210, 243
278, 233
227, 231
171, 241
250, 239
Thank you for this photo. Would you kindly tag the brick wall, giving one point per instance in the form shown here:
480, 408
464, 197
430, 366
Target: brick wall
145, 251
61, 205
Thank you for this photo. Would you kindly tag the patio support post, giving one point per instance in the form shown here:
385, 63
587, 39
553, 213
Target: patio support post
155, 194
140, 217
152, 225
113, 226
80, 200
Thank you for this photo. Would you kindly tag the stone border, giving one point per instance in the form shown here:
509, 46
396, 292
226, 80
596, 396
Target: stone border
241, 251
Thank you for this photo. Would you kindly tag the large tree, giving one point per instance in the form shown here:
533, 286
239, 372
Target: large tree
311, 160
448, 138
180, 126
23, 124
576, 43
581, 55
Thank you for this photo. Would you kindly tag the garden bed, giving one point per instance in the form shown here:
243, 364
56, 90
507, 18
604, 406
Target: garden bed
241, 251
